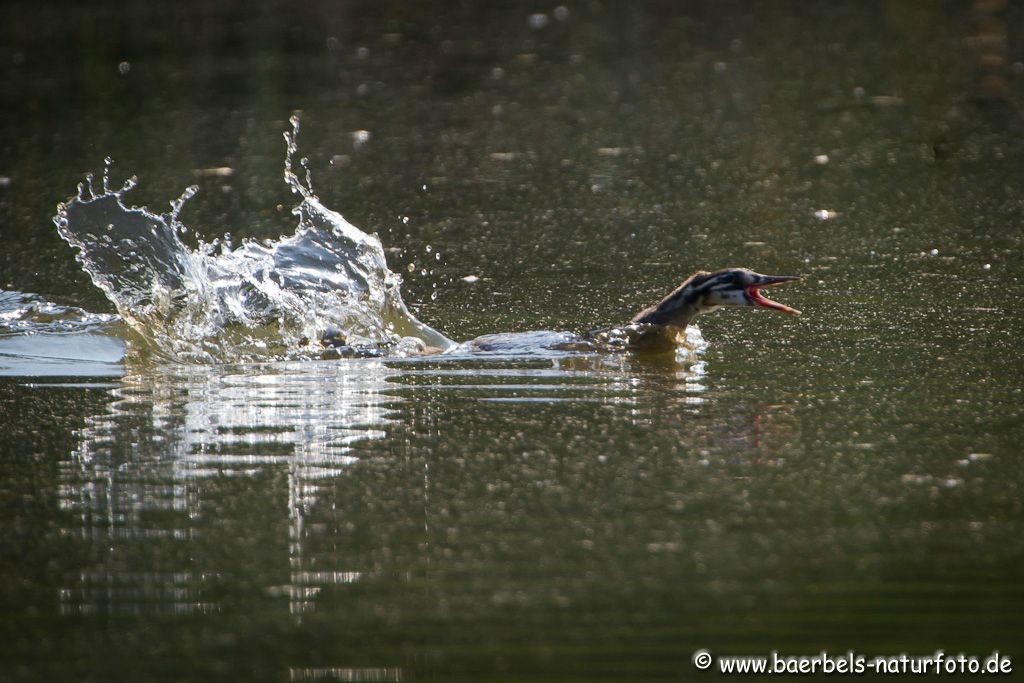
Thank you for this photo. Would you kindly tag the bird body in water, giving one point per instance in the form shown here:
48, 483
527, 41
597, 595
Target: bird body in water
657, 329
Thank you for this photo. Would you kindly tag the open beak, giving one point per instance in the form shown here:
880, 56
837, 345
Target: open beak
755, 298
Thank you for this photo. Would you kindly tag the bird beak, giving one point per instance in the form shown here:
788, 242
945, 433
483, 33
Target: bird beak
756, 299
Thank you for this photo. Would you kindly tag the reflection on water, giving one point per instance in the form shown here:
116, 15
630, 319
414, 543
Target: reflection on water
395, 519
161, 467
168, 443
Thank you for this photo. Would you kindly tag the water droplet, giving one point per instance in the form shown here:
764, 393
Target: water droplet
360, 137
123, 68
411, 267
304, 161
537, 20
471, 279
428, 249
821, 159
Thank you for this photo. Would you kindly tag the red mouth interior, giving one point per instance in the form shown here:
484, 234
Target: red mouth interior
754, 293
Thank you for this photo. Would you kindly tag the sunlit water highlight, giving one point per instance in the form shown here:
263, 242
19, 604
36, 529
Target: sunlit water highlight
39, 338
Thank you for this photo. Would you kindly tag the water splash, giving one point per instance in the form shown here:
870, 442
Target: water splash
258, 301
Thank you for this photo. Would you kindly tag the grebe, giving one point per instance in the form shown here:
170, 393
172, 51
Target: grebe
657, 329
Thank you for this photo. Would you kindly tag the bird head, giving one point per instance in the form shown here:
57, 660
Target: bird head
739, 287
704, 292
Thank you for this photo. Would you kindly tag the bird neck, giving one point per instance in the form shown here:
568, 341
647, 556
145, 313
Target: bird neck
675, 310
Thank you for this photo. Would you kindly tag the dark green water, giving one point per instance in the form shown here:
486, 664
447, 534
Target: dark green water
849, 479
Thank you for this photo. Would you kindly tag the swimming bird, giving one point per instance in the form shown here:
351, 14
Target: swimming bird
659, 326
703, 292
656, 329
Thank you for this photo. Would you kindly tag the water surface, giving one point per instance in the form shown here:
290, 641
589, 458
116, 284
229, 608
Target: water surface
849, 479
